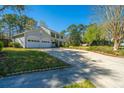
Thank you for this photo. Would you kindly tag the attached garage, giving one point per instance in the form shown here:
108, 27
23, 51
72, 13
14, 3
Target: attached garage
38, 39
34, 39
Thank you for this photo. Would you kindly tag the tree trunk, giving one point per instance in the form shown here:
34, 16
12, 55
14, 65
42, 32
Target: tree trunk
116, 45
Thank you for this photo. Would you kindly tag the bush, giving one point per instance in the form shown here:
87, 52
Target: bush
10, 44
101, 43
1, 46
15, 44
104, 49
101, 49
66, 45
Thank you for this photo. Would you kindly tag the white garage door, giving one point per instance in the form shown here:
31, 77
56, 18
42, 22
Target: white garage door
33, 43
38, 44
45, 44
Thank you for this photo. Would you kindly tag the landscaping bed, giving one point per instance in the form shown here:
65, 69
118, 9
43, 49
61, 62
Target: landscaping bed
19, 60
82, 84
107, 50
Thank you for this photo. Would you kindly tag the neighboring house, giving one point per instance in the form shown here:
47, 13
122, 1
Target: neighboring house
44, 38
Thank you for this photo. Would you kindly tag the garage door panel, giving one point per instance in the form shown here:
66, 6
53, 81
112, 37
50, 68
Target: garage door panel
33, 41
45, 45
33, 44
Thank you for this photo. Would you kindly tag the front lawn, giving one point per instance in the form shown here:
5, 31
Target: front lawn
82, 84
107, 50
19, 60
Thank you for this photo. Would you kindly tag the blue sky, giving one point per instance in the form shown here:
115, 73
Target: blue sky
59, 17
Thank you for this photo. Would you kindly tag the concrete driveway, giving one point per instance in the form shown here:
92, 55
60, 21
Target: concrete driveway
103, 71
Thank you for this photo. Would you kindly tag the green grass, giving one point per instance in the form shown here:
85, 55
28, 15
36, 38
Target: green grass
83, 84
101, 49
106, 50
19, 59
78, 47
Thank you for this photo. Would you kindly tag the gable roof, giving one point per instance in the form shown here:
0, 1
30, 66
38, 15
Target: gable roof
48, 30
45, 29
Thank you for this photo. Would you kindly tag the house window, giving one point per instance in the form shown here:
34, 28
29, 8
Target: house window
36, 41
57, 35
29, 40
52, 34
33, 40
45, 42
61, 37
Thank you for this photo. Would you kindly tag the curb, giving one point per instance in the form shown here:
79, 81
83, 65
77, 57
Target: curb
36, 70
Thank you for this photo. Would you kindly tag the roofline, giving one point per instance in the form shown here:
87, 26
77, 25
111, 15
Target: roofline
18, 34
50, 29
22, 33
33, 31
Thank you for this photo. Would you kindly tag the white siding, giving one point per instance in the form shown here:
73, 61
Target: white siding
21, 40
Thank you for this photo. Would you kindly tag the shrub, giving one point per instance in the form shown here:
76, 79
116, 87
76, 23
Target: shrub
11, 44
103, 49
66, 45
14, 44
101, 43
1, 45
17, 45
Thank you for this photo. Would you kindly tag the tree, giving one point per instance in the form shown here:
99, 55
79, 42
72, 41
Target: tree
63, 32
18, 8
17, 24
90, 34
81, 28
25, 23
113, 19
93, 33
1, 32
73, 34
9, 21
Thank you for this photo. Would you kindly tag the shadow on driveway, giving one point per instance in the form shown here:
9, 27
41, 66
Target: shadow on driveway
81, 69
